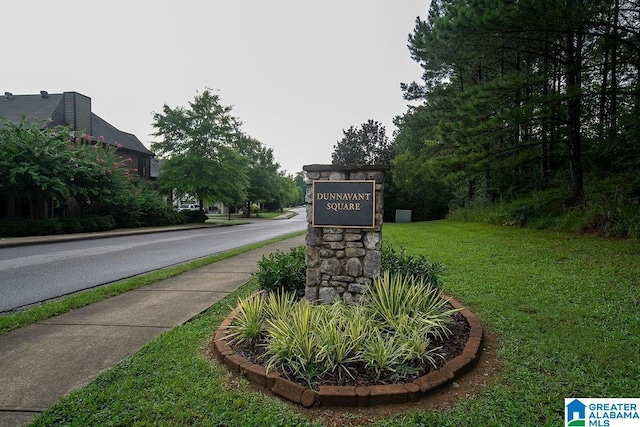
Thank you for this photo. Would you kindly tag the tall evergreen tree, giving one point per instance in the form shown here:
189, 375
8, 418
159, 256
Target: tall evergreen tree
521, 94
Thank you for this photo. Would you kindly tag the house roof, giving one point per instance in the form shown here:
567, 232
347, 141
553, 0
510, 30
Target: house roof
112, 135
34, 107
50, 109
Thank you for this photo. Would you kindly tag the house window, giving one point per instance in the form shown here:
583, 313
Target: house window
142, 167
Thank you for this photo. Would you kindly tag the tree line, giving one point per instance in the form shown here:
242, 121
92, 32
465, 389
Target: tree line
204, 155
522, 97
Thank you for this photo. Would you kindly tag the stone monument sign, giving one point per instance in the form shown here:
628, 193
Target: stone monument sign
344, 230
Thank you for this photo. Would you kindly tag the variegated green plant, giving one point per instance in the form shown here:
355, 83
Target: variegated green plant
279, 304
291, 341
399, 302
417, 348
390, 331
248, 324
338, 347
383, 353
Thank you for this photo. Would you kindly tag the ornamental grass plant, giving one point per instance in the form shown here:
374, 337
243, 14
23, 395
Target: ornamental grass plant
388, 333
406, 304
291, 341
337, 346
248, 322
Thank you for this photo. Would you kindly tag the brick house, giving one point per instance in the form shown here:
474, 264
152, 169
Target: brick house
73, 110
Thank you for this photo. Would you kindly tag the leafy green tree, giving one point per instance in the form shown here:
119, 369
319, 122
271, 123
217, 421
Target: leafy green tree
268, 185
263, 174
301, 186
365, 145
34, 164
203, 145
288, 194
48, 164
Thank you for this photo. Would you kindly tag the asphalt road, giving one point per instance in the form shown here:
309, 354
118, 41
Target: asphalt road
35, 273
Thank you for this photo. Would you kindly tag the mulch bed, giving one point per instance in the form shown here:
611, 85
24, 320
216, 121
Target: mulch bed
363, 376
485, 370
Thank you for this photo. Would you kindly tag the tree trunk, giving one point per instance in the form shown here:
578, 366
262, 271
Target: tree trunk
613, 102
470, 190
574, 93
544, 143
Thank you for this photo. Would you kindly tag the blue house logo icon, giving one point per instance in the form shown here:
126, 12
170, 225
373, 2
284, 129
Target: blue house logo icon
576, 415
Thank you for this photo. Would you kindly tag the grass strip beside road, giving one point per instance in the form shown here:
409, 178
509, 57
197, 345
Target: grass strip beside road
565, 308
18, 319
223, 222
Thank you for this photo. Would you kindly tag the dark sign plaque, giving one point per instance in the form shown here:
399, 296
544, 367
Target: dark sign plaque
344, 204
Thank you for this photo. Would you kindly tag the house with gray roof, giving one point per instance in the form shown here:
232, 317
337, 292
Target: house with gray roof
72, 109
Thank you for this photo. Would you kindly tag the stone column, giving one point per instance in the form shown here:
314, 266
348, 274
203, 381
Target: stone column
342, 260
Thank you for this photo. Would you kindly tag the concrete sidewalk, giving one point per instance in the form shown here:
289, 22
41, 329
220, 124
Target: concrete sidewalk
41, 363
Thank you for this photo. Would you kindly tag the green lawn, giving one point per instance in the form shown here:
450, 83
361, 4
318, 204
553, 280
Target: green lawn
566, 310
220, 218
226, 221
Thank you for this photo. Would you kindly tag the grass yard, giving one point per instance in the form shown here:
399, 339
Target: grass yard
566, 309
241, 219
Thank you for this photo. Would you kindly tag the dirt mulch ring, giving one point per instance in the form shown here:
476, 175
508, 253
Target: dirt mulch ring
479, 377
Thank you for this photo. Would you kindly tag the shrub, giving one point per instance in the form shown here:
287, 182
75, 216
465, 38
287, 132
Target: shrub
163, 214
46, 226
104, 223
14, 228
418, 266
71, 225
283, 271
190, 216
138, 204
286, 271
29, 227
88, 224
97, 223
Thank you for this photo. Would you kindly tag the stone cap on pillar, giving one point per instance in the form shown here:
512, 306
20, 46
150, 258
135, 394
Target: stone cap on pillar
346, 172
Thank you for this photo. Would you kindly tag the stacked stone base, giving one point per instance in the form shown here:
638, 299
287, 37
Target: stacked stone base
341, 263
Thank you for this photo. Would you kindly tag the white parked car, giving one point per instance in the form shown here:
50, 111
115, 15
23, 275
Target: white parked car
188, 207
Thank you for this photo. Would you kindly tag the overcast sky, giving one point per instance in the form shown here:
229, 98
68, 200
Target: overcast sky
297, 72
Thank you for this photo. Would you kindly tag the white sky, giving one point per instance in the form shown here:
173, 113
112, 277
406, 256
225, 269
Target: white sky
296, 72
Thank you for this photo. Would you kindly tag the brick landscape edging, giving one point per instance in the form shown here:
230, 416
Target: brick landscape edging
362, 396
